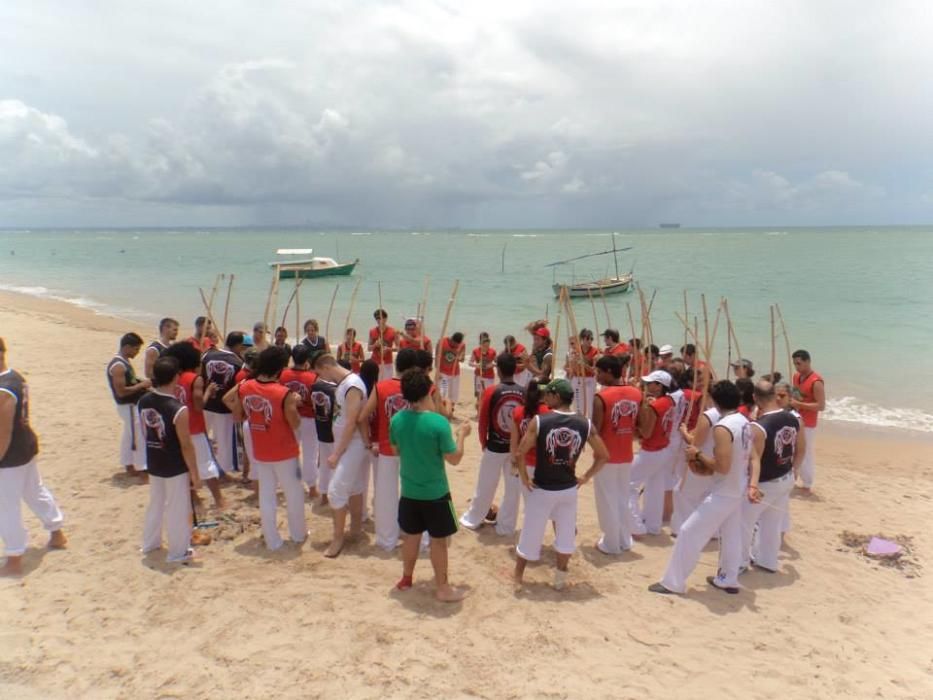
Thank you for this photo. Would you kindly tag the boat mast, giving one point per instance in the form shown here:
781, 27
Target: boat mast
614, 258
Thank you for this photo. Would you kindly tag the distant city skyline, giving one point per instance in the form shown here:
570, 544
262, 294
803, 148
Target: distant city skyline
490, 115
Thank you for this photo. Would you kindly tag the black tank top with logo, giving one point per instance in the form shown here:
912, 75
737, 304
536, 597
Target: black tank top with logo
781, 429
159, 346
129, 377
323, 396
561, 438
505, 398
157, 414
219, 367
23, 442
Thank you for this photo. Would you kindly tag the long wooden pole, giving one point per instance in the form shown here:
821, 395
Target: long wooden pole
356, 289
595, 319
696, 332
275, 293
330, 311
227, 302
555, 352
265, 314
288, 305
790, 359
577, 348
735, 338
422, 309
207, 307
602, 293
217, 280
298, 310
450, 305
773, 349
686, 314
712, 337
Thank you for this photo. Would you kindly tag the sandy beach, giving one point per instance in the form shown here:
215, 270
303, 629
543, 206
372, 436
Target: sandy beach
100, 620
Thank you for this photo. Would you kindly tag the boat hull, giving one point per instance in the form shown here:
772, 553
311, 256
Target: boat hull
597, 288
339, 270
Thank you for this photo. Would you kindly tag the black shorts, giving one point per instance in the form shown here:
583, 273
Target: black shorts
437, 517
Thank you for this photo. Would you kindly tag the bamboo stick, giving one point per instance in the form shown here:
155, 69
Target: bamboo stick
686, 315
595, 319
330, 311
696, 332
265, 314
602, 293
288, 306
217, 281
555, 352
773, 349
577, 347
356, 289
450, 304
790, 359
207, 307
298, 327
422, 308
227, 303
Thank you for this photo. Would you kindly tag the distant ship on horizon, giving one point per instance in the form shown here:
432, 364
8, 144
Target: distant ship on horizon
662, 225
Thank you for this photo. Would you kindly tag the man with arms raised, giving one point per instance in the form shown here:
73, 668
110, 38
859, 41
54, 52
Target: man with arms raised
168, 332
127, 390
424, 442
19, 475
809, 401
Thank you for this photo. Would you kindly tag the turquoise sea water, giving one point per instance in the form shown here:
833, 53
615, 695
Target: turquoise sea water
860, 299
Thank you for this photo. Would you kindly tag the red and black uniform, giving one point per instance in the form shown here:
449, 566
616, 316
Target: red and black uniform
389, 401
518, 415
388, 336
301, 382
485, 363
184, 392
620, 413
495, 415
660, 437
450, 357
264, 406
351, 354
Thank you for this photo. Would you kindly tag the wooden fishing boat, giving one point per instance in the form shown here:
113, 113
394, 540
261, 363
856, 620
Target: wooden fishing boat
617, 284
308, 268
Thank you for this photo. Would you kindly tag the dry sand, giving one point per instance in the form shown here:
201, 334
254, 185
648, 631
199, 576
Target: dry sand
99, 620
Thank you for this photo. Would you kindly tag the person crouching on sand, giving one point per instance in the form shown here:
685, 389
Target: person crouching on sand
424, 442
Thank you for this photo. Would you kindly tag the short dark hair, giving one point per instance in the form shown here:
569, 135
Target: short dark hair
505, 363
726, 395
283, 329
424, 360
234, 338
344, 363
166, 321
200, 321
300, 354
415, 385
612, 334
380, 313
164, 371
271, 361
457, 337
405, 359
635, 343
131, 339
688, 349
611, 364
653, 349
746, 389
186, 354
311, 323
801, 355
369, 373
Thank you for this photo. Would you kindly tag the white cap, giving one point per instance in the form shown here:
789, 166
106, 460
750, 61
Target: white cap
659, 376
666, 350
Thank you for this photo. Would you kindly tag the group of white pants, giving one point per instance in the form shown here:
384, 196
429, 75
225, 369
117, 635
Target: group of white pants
653, 471
132, 440
611, 488
169, 507
18, 485
492, 466
284, 474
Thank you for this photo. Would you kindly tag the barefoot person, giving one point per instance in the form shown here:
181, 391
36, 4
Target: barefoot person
495, 429
19, 476
452, 352
778, 447
615, 412
558, 438
351, 351
424, 442
299, 379
654, 461
271, 414
721, 510
323, 396
809, 400
383, 340
126, 390
349, 458
483, 362
173, 469
190, 391
168, 332
219, 367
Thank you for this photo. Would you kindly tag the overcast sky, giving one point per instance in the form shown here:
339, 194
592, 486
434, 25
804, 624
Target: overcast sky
475, 114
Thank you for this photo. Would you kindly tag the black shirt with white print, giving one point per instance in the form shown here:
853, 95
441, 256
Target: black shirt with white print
780, 428
561, 438
219, 367
157, 414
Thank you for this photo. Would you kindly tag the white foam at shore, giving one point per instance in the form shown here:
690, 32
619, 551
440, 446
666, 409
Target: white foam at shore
97, 307
848, 409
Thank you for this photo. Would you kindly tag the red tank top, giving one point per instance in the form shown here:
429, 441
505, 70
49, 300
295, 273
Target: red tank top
389, 401
620, 411
242, 375
805, 387
184, 392
616, 350
300, 381
485, 367
517, 352
661, 435
588, 367
450, 358
388, 337
351, 354
421, 343
691, 420
518, 415
264, 406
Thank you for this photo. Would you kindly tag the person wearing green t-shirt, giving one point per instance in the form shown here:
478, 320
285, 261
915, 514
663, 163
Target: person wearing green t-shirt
423, 441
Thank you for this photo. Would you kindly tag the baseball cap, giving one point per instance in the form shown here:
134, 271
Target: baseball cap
659, 376
666, 350
248, 341
561, 387
747, 364
543, 333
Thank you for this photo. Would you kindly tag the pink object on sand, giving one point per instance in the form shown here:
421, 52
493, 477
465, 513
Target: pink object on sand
882, 548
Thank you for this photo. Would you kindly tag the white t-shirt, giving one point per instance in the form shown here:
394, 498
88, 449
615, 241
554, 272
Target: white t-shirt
734, 483
351, 381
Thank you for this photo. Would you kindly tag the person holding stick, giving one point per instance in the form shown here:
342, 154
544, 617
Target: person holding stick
809, 400
383, 340
615, 413
541, 363
558, 438
351, 351
424, 443
483, 362
581, 368
654, 461
613, 344
520, 353
413, 336
452, 351
127, 390
219, 367
168, 332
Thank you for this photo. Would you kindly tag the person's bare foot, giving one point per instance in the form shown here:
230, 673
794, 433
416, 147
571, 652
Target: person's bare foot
324, 500
313, 493
57, 540
449, 594
143, 477
13, 566
334, 549
355, 534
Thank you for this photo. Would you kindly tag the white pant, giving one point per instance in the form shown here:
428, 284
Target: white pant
678, 462
207, 467
584, 393
611, 488
287, 475
768, 515
385, 502
688, 494
369, 472
132, 441
169, 504
449, 386
324, 473
348, 478
480, 384
491, 466
18, 484
650, 469
722, 513
808, 465
220, 426
541, 506
309, 450
522, 378
386, 371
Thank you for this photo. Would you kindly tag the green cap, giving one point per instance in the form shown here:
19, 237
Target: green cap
561, 387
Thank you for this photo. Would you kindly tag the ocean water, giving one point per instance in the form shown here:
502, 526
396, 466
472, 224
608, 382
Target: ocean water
859, 299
